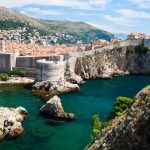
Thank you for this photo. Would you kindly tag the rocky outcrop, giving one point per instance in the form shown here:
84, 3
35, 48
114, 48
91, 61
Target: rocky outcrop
70, 76
54, 88
109, 63
75, 79
10, 122
53, 108
131, 131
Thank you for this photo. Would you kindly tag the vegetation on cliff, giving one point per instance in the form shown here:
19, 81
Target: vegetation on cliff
141, 49
97, 125
122, 103
130, 130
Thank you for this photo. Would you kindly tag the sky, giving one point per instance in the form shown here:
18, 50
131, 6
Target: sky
116, 16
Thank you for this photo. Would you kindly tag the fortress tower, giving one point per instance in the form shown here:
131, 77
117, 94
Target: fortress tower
2, 44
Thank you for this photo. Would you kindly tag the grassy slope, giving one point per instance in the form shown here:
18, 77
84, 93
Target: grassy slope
80, 30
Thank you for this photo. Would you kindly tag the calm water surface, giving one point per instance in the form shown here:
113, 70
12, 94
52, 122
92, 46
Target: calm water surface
96, 96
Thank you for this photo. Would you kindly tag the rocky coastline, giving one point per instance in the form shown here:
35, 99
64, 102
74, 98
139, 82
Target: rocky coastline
110, 63
103, 65
10, 122
129, 131
18, 80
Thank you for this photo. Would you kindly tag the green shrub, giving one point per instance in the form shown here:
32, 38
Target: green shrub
11, 25
4, 77
20, 73
122, 103
130, 50
97, 125
141, 49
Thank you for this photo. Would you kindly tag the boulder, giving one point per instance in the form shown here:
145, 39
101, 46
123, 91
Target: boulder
10, 122
54, 88
53, 108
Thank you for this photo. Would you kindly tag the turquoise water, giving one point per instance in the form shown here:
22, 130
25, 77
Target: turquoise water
96, 96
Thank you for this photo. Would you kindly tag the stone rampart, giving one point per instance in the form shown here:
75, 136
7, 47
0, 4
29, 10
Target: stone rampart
50, 70
7, 62
52, 67
28, 61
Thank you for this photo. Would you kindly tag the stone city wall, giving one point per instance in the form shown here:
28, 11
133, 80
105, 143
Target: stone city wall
54, 70
7, 62
52, 67
112, 46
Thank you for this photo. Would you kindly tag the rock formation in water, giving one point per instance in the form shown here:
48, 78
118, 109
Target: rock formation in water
54, 88
10, 122
53, 108
131, 131
109, 63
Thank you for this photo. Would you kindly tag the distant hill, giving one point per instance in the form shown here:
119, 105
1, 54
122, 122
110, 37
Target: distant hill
121, 36
83, 31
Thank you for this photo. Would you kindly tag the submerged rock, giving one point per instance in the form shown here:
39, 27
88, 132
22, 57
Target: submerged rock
53, 108
10, 122
131, 131
53, 122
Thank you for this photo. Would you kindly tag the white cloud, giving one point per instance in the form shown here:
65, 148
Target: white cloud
120, 20
129, 13
127, 17
38, 11
81, 13
99, 3
142, 3
109, 28
76, 4
31, 15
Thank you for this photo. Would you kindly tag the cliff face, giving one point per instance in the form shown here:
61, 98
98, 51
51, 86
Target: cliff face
112, 62
130, 131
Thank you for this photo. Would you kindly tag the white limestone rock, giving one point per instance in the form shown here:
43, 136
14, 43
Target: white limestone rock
73, 78
57, 87
53, 108
10, 122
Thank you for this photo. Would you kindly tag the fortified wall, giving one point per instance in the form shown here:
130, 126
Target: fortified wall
55, 70
50, 70
53, 67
